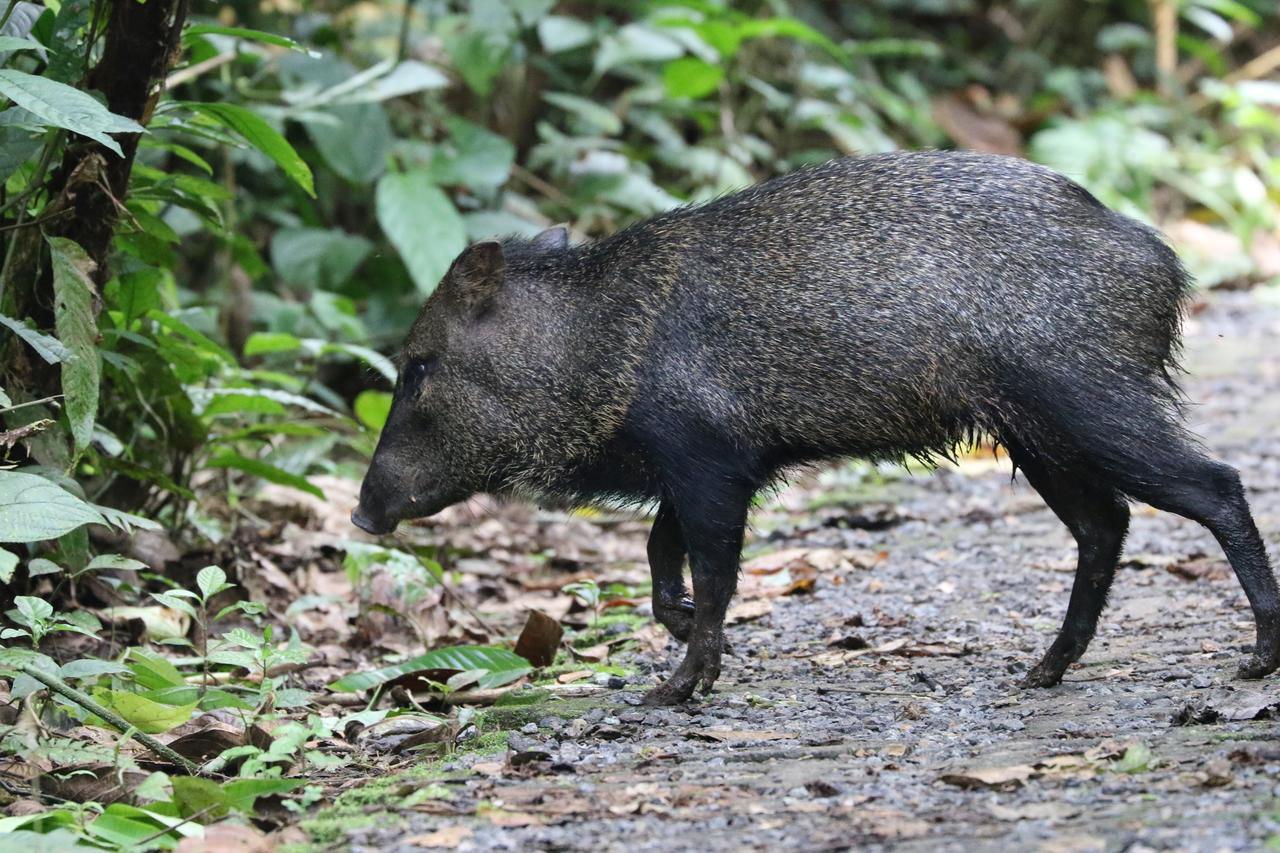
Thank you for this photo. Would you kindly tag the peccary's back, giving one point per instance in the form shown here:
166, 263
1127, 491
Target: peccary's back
885, 303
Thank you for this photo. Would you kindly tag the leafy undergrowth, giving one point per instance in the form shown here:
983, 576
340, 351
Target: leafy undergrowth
271, 687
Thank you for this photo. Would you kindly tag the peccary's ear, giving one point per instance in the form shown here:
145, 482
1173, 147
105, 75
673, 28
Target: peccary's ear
555, 237
477, 274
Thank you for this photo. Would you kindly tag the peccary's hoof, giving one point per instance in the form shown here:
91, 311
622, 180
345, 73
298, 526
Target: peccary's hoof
674, 691
700, 668
1043, 676
1258, 667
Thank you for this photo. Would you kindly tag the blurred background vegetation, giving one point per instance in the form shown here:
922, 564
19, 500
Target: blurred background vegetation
311, 168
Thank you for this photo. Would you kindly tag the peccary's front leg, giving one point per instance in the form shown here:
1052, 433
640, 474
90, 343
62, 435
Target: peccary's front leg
672, 605
712, 525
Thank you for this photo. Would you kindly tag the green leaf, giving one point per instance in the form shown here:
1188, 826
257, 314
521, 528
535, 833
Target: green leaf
254, 129
264, 342
500, 667
372, 409
8, 565
77, 327
40, 566
211, 580
62, 106
152, 672
5, 402
32, 509
115, 562
473, 156
356, 143
242, 793
559, 33
193, 32
266, 471
10, 43
90, 668
479, 56
690, 77
374, 359
46, 346
423, 225
317, 258
147, 715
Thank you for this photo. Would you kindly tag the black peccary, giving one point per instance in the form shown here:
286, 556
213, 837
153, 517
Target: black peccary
880, 307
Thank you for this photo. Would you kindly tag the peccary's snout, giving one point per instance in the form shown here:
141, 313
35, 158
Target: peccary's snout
374, 513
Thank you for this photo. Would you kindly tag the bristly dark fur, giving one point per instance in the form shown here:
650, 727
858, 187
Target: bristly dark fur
884, 307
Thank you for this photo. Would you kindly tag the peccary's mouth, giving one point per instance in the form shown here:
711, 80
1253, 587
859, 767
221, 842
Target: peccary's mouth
375, 526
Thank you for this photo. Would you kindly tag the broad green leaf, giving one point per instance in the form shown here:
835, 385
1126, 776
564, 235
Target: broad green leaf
635, 43
5, 402
316, 258
32, 610
90, 668
41, 566
423, 225
356, 143
378, 83
479, 56
591, 116
147, 715
114, 561
472, 156
239, 404
242, 793
62, 106
690, 77
264, 342
195, 796
32, 509
559, 33
376, 360
500, 667
8, 564
372, 408
194, 31
211, 580
136, 292
254, 129
9, 44
152, 673
77, 327
46, 346
126, 831
266, 471
126, 521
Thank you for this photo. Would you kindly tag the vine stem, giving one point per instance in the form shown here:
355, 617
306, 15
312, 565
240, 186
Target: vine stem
57, 685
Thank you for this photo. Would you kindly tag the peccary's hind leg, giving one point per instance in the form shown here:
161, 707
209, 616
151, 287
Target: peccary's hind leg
1098, 518
713, 517
672, 605
1179, 478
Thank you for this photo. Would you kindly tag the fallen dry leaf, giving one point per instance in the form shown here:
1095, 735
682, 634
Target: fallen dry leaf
737, 735
996, 778
222, 837
591, 654
540, 639
571, 677
749, 611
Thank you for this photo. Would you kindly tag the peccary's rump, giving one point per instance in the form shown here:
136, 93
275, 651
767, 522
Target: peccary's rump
878, 307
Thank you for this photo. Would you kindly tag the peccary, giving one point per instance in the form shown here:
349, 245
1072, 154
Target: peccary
879, 307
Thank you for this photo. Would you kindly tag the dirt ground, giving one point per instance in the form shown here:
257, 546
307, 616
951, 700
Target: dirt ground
877, 706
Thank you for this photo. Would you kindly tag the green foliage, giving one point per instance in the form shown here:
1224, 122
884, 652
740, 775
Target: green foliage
496, 667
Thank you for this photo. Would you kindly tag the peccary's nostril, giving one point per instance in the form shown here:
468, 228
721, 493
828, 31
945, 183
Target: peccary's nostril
362, 520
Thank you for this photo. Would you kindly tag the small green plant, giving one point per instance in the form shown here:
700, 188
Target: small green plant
589, 594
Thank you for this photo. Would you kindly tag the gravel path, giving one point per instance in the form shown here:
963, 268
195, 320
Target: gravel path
910, 732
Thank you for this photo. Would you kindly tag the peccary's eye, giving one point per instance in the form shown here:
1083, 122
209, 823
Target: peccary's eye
415, 373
